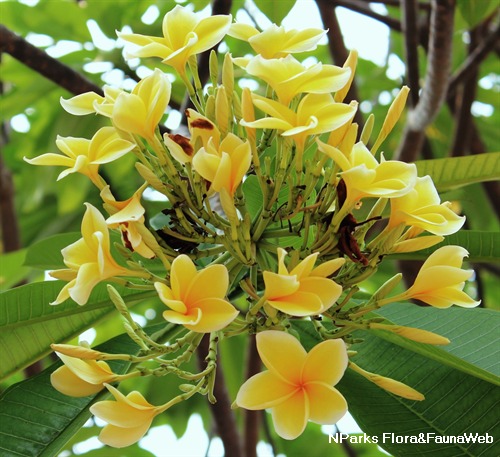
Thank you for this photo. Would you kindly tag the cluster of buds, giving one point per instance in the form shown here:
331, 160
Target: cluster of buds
259, 226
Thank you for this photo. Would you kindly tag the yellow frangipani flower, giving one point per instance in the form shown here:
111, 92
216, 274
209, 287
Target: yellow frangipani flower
196, 298
140, 111
85, 103
201, 129
127, 216
315, 114
80, 378
440, 281
288, 77
89, 260
184, 35
225, 164
365, 177
421, 207
297, 386
304, 291
128, 418
275, 41
84, 156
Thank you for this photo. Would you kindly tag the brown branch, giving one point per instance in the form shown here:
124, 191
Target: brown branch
221, 410
471, 64
252, 418
41, 62
411, 34
397, 3
8, 219
338, 50
436, 80
360, 7
464, 97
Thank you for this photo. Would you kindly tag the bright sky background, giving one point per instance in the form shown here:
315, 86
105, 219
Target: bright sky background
370, 38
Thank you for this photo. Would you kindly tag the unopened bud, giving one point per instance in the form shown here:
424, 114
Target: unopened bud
417, 244
414, 334
351, 62
228, 74
187, 388
367, 129
222, 110
79, 352
214, 68
150, 177
392, 117
387, 287
388, 384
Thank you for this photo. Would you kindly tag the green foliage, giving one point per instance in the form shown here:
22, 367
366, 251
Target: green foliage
33, 409
454, 172
275, 11
29, 324
459, 381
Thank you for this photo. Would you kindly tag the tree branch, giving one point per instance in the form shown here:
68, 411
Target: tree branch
411, 34
471, 64
436, 80
252, 418
338, 50
360, 7
41, 62
221, 411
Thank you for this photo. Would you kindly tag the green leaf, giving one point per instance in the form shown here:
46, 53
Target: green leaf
275, 11
456, 172
37, 420
455, 402
477, 356
29, 324
482, 246
475, 11
12, 270
46, 254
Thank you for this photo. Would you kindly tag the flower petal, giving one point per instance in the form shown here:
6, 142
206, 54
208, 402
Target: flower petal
68, 383
326, 362
326, 404
282, 354
215, 315
181, 275
290, 417
264, 390
122, 437
299, 304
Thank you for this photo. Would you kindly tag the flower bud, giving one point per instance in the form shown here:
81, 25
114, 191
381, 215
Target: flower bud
414, 334
79, 352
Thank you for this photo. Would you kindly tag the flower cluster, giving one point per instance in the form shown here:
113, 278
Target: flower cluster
261, 201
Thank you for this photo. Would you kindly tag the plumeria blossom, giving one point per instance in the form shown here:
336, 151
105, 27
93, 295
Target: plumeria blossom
85, 103
421, 207
80, 378
89, 260
364, 176
127, 216
315, 114
201, 129
225, 164
128, 418
304, 291
275, 41
184, 35
288, 77
140, 111
297, 386
84, 156
441, 280
196, 298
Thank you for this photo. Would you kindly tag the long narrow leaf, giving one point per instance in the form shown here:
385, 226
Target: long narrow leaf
28, 324
454, 172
